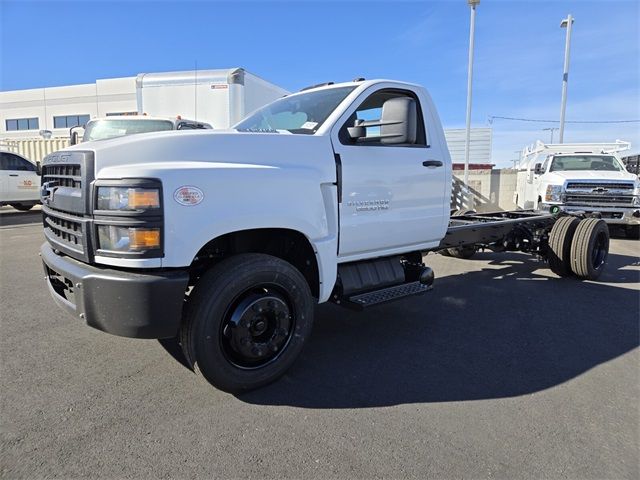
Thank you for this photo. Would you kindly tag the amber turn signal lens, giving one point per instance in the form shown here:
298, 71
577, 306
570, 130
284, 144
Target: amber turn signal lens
147, 198
144, 238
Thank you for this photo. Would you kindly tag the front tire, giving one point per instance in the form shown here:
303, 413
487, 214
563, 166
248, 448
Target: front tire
632, 232
23, 207
246, 321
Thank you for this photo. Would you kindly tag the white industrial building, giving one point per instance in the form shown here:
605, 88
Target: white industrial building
25, 113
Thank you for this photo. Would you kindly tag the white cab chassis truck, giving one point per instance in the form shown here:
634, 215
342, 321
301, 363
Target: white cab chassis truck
587, 178
227, 239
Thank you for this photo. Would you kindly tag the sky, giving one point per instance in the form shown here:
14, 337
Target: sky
518, 64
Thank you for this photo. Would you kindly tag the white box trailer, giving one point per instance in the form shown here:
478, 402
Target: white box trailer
218, 97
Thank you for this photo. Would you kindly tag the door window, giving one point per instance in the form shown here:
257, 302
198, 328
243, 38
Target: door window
9, 161
371, 110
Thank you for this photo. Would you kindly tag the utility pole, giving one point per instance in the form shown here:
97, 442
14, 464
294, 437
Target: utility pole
566, 23
473, 4
550, 129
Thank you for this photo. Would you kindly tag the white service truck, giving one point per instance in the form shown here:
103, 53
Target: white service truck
121, 125
219, 97
587, 177
228, 238
19, 181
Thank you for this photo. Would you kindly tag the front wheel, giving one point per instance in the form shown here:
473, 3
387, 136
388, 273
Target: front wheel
246, 321
633, 232
23, 207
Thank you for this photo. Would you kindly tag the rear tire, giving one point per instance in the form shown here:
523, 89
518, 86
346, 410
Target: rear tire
590, 248
246, 321
23, 207
460, 252
560, 239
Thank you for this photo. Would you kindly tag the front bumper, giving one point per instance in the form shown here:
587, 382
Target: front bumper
611, 215
125, 303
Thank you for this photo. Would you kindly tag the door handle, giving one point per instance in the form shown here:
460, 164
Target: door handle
13, 174
432, 163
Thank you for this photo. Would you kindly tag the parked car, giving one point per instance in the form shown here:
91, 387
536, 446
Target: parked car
19, 181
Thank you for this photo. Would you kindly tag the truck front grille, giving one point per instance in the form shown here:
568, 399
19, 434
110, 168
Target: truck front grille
63, 175
596, 185
599, 200
66, 232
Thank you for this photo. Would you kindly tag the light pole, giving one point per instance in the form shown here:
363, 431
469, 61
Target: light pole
473, 4
566, 23
550, 129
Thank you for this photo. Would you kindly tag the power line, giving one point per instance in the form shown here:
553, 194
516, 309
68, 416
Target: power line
493, 117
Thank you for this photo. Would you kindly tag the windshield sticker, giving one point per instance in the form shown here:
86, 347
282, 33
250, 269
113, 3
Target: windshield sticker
188, 195
309, 125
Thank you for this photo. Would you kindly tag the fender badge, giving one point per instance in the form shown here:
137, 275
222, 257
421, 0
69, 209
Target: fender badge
188, 195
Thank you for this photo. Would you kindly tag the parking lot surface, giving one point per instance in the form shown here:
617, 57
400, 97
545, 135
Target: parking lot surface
503, 370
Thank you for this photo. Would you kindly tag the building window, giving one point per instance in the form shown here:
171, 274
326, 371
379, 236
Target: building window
22, 124
68, 121
120, 114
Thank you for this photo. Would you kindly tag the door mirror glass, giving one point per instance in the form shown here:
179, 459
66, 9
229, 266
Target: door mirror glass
538, 169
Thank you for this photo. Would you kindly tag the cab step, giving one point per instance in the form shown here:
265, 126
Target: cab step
376, 297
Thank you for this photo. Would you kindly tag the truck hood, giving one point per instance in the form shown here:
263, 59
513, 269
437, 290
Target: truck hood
561, 177
145, 154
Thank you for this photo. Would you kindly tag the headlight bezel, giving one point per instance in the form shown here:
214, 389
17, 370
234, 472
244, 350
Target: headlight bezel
553, 193
141, 218
128, 183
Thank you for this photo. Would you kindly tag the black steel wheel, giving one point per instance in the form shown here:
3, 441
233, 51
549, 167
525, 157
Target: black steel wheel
590, 248
246, 321
560, 238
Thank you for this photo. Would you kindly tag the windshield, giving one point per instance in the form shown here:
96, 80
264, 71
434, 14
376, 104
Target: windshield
303, 113
99, 129
567, 163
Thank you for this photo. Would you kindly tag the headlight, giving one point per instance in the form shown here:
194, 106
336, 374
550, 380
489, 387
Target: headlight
128, 239
553, 193
128, 198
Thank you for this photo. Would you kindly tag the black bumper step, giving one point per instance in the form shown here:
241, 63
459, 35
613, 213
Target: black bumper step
369, 299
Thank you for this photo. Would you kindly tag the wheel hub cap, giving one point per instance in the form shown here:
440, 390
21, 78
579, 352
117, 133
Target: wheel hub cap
257, 329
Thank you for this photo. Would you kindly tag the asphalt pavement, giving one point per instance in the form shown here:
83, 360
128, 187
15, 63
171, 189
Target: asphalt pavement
502, 371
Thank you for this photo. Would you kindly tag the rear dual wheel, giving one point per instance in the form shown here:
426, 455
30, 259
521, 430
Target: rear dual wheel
466, 251
246, 321
590, 248
578, 247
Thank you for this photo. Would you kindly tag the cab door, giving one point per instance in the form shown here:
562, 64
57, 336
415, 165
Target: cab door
394, 197
22, 180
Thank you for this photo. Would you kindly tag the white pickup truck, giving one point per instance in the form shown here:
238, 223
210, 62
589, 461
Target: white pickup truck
228, 238
587, 177
19, 181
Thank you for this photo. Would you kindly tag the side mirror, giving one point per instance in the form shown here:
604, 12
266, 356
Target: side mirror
39, 168
398, 123
74, 138
538, 169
